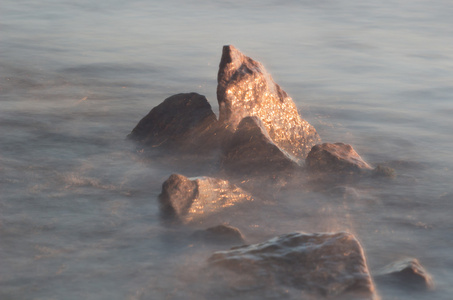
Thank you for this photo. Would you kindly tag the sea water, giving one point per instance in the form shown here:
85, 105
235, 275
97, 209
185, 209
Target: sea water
78, 206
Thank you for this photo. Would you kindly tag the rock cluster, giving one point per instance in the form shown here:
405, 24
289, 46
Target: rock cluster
260, 131
185, 122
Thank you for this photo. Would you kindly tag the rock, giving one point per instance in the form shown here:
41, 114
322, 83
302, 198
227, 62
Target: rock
406, 273
182, 122
187, 198
328, 264
344, 192
221, 234
384, 171
251, 150
335, 158
246, 89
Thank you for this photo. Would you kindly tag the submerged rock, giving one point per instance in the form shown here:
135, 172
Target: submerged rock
251, 150
407, 273
187, 198
221, 234
182, 122
384, 171
328, 264
246, 89
335, 158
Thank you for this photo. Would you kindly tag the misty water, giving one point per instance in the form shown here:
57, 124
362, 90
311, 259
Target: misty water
79, 217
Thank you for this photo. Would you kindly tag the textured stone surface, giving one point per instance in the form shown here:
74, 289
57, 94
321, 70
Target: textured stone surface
187, 198
336, 158
182, 122
246, 89
328, 264
251, 150
406, 273
221, 234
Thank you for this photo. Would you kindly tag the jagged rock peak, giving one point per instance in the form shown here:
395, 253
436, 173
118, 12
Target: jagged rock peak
245, 88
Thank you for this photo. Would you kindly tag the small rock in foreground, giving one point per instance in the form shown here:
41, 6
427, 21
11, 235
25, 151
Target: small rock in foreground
221, 234
245, 88
407, 273
327, 264
187, 198
183, 122
251, 150
336, 158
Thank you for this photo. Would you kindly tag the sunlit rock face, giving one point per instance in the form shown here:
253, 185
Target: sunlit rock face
182, 122
406, 274
251, 150
221, 234
327, 264
335, 158
246, 89
188, 198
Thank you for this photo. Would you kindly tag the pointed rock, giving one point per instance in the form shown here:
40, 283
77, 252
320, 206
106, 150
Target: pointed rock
188, 198
182, 122
406, 273
251, 150
328, 264
335, 158
246, 89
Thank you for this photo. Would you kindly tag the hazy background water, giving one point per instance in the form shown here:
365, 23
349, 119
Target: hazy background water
78, 213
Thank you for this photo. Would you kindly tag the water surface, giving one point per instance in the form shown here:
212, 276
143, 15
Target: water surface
78, 210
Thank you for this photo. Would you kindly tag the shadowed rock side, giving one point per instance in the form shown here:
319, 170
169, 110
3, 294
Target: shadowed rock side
408, 274
187, 198
251, 150
335, 158
182, 122
221, 234
328, 264
246, 89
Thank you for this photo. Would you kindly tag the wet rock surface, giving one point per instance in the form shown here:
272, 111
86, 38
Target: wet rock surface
221, 234
251, 150
183, 122
187, 198
327, 264
245, 88
406, 274
336, 158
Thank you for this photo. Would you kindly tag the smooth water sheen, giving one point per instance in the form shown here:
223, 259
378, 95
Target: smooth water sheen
79, 217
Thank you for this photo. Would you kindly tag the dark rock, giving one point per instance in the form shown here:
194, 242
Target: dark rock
178, 194
251, 150
328, 264
221, 234
384, 171
246, 89
187, 198
182, 122
335, 158
407, 273
344, 192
